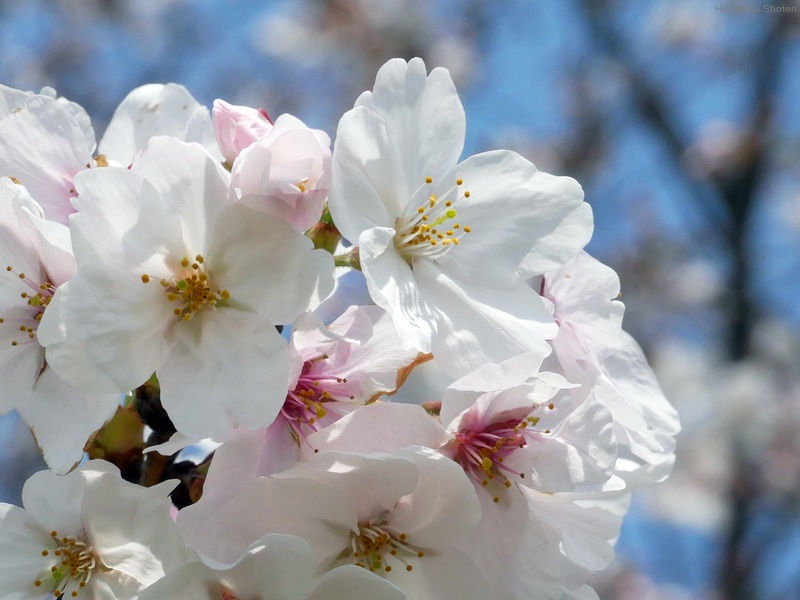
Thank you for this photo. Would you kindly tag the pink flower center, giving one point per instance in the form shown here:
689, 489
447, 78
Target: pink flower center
483, 453
313, 398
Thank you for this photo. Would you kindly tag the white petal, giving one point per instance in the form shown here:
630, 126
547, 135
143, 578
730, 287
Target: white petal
365, 180
22, 539
521, 221
267, 266
191, 184
381, 363
245, 456
511, 550
374, 482
289, 506
276, 567
130, 527
43, 147
349, 582
123, 221
148, 111
122, 323
581, 450
479, 325
52, 242
381, 427
424, 121
393, 287
227, 366
62, 419
55, 501
585, 532
444, 508
442, 576
194, 581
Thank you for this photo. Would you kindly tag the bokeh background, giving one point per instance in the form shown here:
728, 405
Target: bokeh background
682, 123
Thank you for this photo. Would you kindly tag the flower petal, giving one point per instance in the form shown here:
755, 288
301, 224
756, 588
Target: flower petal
43, 146
22, 539
267, 266
149, 110
227, 366
424, 121
191, 184
393, 287
130, 527
365, 177
349, 582
62, 419
479, 325
523, 221
381, 427
444, 508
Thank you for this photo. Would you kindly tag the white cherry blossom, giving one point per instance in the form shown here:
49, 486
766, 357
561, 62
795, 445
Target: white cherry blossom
446, 247
176, 277
399, 515
37, 258
89, 534
592, 349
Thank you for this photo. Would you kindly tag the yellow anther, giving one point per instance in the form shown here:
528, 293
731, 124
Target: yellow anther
9, 268
302, 187
459, 181
456, 226
496, 499
449, 232
448, 203
409, 568
177, 312
199, 258
433, 242
420, 210
425, 218
22, 275
37, 583
466, 194
225, 294
145, 279
467, 229
428, 180
195, 266
185, 262
440, 235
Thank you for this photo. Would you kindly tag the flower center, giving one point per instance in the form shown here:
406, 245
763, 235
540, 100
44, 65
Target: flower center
192, 290
375, 545
482, 454
312, 398
432, 230
29, 314
70, 568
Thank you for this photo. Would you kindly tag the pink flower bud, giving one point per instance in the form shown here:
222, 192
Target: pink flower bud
237, 127
286, 173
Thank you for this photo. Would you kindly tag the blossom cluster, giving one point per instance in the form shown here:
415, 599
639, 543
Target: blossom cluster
180, 247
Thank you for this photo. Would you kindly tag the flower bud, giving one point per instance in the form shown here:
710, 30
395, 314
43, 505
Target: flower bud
286, 173
237, 127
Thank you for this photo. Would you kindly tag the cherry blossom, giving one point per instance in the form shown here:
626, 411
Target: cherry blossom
333, 371
592, 349
398, 515
446, 247
37, 256
88, 534
176, 277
